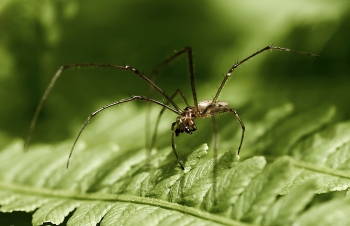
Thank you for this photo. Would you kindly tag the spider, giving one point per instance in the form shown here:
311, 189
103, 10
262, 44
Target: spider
185, 120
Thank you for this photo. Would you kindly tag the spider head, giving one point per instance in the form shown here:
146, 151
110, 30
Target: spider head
185, 122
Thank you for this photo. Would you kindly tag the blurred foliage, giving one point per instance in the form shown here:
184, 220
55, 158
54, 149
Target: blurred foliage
39, 36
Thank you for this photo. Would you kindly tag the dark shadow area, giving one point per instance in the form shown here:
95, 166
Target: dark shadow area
311, 82
16, 219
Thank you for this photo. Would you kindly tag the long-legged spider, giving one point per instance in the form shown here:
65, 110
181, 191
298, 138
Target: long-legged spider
185, 119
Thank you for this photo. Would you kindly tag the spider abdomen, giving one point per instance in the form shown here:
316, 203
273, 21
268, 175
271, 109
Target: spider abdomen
207, 108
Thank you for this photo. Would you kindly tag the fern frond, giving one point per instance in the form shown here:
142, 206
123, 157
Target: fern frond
108, 184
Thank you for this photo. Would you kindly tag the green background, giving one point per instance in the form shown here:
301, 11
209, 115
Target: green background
38, 36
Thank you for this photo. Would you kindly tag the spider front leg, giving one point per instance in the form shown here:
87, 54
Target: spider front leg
243, 128
209, 108
177, 92
173, 144
215, 168
71, 66
93, 114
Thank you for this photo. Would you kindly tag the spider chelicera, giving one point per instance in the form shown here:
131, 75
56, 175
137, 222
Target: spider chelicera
185, 121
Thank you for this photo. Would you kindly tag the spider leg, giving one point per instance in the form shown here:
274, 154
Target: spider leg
154, 74
173, 144
243, 128
178, 91
215, 168
187, 50
93, 114
62, 68
228, 74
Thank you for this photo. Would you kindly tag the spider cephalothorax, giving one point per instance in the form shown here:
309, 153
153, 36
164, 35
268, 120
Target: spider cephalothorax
185, 122
206, 108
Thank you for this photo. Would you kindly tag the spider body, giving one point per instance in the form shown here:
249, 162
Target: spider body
206, 108
186, 117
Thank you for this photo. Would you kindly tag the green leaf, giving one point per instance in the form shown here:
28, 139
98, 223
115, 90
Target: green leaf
54, 211
285, 209
255, 200
110, 181
323, 156
287, 131
334, 212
